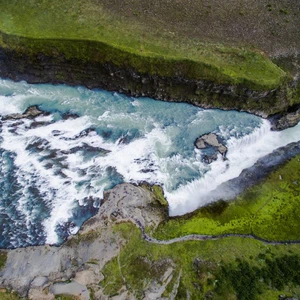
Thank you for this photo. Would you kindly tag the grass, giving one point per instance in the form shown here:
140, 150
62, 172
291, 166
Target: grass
229, 268
200, 264
269, 210
157, 193
3, 258
66, 297
85, 31
6, 295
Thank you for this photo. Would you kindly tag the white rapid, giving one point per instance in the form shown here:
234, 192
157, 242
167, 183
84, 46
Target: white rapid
54, 168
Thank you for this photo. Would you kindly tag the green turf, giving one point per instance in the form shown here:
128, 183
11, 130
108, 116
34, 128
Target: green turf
6, 295
141, 263
269, 210
54, 25
3, 257
65, 297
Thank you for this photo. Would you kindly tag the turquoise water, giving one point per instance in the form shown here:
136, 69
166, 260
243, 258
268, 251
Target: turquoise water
55, 168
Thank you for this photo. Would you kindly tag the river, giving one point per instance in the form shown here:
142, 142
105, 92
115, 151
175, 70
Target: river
55, 168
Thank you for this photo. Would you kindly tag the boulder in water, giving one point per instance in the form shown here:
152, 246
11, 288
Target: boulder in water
212, 144
30, 113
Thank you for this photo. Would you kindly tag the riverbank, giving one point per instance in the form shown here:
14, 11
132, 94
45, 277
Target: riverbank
99, 48
209, 55
110, 258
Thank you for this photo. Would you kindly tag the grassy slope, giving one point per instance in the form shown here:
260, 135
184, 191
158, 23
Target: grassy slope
130, 43
142, 262
269, 210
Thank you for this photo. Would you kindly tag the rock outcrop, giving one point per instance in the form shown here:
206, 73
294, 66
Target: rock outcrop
30, 113
34, 271
285, 120
211, 145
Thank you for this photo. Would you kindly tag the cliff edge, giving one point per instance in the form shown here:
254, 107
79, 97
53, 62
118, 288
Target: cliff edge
242, 55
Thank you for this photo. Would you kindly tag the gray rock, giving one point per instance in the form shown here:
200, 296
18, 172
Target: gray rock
39, 281
30, 113
210, 142
285, 120
30, 270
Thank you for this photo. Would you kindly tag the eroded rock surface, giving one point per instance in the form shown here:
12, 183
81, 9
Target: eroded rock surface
33, 271
211, 143
30, 113
286, 120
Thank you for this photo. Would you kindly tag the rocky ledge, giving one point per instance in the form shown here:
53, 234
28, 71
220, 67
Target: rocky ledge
30, 113
57, 68
74, 268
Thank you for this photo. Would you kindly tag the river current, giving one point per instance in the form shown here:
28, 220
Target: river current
55, 168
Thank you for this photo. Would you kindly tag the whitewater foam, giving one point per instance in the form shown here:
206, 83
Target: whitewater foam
243, 152
56, 167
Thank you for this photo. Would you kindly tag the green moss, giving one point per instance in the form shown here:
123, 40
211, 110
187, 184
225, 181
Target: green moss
200, 264
157, 193
85, 31
227, 268
269, 210
7, 295
3, 258
113, 280
64, 297
87, 237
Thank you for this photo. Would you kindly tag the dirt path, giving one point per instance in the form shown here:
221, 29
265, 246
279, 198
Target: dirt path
204, 237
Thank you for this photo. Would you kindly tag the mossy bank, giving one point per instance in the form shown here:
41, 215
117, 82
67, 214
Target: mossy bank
89, 44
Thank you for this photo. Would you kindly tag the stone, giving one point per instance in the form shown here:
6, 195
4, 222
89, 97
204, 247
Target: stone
30, 113
210, 142
39, 294
285, 120
86, 277
39, 281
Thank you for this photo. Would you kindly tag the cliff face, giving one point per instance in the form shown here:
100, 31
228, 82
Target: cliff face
57, 68
205, 93
204, 52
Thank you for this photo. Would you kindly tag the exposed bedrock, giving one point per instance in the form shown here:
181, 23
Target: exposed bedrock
211, 145
30, 113
207, 94
34, 271
285, 120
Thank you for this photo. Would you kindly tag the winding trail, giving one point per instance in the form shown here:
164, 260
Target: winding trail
204, 237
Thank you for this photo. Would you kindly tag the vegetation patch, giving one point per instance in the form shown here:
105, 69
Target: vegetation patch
87, 237
7, 295
3, 258
66, 297
269, 210
86, 31
157, 194
233, 268
249, 281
